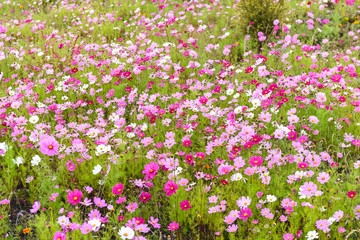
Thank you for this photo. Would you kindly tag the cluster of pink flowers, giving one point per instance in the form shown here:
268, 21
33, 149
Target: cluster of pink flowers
155, 126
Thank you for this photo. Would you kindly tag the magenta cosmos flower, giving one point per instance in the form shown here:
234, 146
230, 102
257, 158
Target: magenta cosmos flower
302, 165
187, 143
150, 170
117, 189
255, 161
74, 196
185, 205
292, 135
351, 194
173, 226
170, 188
245, 213
144, 197
49, 146
59, 236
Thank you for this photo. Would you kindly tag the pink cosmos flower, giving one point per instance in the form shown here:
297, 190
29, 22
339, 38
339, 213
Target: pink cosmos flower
35, 207
189, 159
309, 188
288, 236
100, 202
230, 219
255, 161
322, 224
232, 228
121, 200
185, 205
213, 199
249, 171
187, 143
170, 188
59, 236
74, 196
94, 214
245, 213
49, 146
154, 222
86, 228
203, 100
200, 155
283, 218
142, 228
131, 207
249, 70
52, 107
302, 165
117, 189
323, 177
173, 226
292, 135
243, 202
3, 29
338, 215
150, 170
53, 197
342, 99
336, 78
71, 166
356, 143
182, 182
302, 139
321, 97
144, 197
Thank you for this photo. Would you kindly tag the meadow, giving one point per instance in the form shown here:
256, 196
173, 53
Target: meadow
179, 120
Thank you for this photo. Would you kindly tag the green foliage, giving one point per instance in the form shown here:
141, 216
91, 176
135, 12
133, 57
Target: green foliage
253, 16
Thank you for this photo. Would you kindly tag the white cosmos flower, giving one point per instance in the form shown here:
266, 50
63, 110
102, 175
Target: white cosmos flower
178, 171
34, 119
18, 160
312, 235
230, 91
126, 233
144, 127
250, 115
95, 222
238, 110
271, 198
97, 169
322, 209
3, 147
331, 220
236, 177
256, 103
35, 160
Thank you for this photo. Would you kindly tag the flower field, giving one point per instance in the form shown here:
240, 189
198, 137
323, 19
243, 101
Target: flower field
179, 120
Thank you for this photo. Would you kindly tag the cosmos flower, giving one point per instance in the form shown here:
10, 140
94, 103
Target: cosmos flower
49, 146
74, 196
